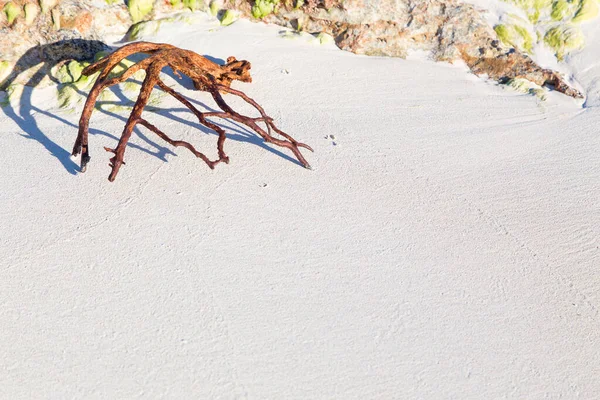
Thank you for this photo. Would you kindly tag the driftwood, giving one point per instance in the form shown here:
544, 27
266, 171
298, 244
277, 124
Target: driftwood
206, 75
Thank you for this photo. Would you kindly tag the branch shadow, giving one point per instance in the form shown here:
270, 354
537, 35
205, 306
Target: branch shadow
242, 133
49, 56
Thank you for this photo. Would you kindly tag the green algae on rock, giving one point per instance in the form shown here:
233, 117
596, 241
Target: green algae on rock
229, 17
588, 10
515, 35
71, 71
12, 12
139, 9
262, 8
145, 29
5, 70
524, 86
563, 10
325, 38
214, 8
13, 93
553, 21
193, 4
563, 39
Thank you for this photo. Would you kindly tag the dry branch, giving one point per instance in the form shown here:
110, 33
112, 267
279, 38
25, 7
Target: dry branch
206, 75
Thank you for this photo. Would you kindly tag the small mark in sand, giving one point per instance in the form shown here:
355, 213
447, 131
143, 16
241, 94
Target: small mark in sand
285, 71
332, 138
263, 185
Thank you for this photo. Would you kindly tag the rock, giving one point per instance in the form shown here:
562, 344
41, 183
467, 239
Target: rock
55, 31
12, 12
139, 9
31, 12
81, 22
46, 5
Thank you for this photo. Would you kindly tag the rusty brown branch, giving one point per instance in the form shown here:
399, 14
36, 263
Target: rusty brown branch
206, 75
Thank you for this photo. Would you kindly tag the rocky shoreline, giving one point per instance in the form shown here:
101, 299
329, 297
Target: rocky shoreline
32, 32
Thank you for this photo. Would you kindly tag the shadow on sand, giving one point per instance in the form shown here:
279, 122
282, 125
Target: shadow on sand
26, 115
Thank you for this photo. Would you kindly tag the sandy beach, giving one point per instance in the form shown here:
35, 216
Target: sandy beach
444, 245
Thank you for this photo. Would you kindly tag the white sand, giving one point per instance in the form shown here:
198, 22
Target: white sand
446, 246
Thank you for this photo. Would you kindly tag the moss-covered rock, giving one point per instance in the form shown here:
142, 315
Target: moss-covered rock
550, 22
539, 7
262, 8
71, 71
143, 29
524, 86
587, 10
533, 8
325, 38
12, 94
214, 8
563, 39
563, 10
12, 12
229, 17
138, 9
193, 4
515, 35
5, 70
